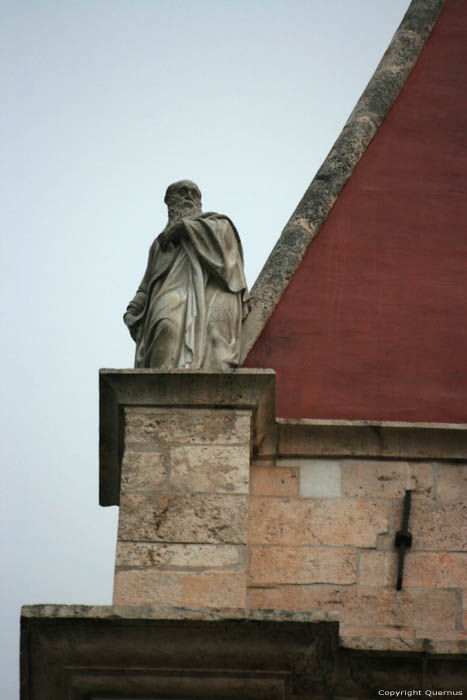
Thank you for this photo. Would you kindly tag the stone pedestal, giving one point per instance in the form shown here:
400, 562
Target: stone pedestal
175, 454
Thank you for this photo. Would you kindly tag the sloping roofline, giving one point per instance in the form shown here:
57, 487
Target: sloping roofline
313, 209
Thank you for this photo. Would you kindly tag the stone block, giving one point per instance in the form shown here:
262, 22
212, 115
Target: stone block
379, 638
451, 484
179, 556
273, 481
309, 522
436, 569
407, 609
210, 469
320, 478
186, 426
214, 590
151, 586
452, 635
143, 470
147, 586
375, 568
453, 647
421, 569
369, 479
442, 642
270, 565
195, 518
435, 527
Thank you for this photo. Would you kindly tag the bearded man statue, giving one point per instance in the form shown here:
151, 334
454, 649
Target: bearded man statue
189, 307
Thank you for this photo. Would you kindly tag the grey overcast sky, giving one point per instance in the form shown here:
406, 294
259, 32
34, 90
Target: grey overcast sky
106, 102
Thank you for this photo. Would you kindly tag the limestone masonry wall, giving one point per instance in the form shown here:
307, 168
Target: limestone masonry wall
321, 537
183, 507
224, 506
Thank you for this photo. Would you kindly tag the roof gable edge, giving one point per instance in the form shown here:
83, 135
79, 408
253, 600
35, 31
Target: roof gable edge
362, 125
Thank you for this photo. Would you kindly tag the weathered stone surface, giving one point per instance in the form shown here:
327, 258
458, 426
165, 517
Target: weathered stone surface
183, 504
158, 426
379, 638
309, 522
179, 556
385, 478
320, 478
152, 612
444, 636
229, 590
436, 528
273, 481
147, 586
110, 651
151, 586
444, 642
273, 565
210, 469
143, 470
451, 483
343, 438
142, 651
410, 609
187, 450
436, 570
193, 518
241, 392
377, 568
421, 569
454, 647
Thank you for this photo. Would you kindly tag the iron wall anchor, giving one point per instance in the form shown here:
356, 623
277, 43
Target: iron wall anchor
403, 540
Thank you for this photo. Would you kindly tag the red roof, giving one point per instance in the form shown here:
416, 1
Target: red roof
373, 324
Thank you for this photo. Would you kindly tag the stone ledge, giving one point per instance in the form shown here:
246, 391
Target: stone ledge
340, 438
248, 389
150, 612
84, 651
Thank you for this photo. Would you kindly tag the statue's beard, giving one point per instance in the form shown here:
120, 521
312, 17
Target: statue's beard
183, 209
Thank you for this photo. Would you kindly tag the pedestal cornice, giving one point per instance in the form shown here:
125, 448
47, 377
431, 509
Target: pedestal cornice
120, 388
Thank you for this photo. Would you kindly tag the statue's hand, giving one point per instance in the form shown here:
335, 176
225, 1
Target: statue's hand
171, 235
132, 325
162, 238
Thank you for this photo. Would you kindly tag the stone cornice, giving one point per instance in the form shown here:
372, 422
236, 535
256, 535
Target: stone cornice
371, 439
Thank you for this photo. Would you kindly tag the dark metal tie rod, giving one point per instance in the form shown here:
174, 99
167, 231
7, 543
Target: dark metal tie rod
403, 539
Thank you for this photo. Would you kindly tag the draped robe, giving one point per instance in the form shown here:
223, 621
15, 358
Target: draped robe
189, 307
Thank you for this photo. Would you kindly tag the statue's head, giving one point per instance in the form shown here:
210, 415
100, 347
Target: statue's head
183, 198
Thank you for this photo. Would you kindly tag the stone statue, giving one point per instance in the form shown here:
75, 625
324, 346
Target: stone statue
189, 307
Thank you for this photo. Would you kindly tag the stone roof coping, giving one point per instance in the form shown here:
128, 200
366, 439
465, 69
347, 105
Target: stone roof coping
147, 612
